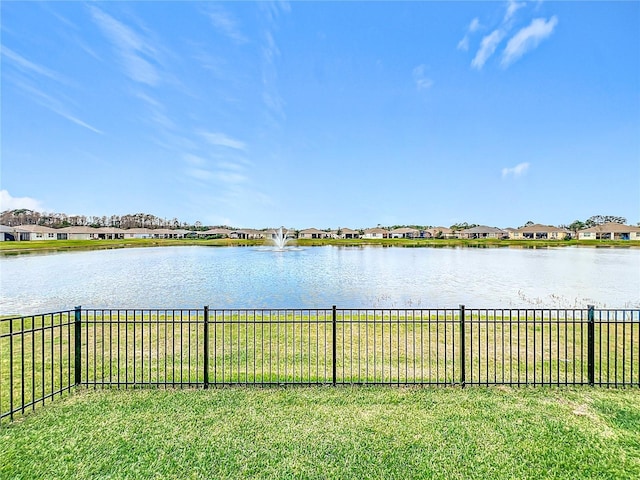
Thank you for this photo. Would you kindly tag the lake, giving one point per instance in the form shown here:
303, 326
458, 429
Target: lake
349, 277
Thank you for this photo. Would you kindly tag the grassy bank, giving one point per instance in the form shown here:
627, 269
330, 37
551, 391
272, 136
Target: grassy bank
12, 248
328, 432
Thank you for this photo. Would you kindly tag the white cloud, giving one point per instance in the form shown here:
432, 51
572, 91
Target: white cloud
225, 23
528, 38
512, 8
54, 105
419, 76
7, 202
131, 47
28, 66
473, 27
487, 47
221, 140
516, 171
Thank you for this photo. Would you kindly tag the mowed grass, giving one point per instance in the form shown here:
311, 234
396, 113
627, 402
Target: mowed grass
328, 432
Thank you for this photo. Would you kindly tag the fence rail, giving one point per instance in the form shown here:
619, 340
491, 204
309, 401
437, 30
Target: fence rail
44, 356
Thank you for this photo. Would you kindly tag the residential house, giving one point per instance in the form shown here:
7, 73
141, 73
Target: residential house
404, 232
38, 232
610, 231
80, 233
215, 233
439, 232
377, 232
109, 233
246, 234
348, 233
138, 233
7, 234
540, 232
482, 231
312, 233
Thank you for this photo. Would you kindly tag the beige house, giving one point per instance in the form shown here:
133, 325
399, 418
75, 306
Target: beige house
404, 232
348, 233
375, 233
540, 232
440, 232
79, 233
38, 232
246, 234
311, 233
215, 233
138, 233
610, 231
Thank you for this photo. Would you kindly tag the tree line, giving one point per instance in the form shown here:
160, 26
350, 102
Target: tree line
59, 220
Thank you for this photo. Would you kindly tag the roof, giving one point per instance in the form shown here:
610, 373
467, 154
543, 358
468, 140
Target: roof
612, 227
35, 229
78, 229
311, 230
483, 229
405, 230
376, 230
536, 228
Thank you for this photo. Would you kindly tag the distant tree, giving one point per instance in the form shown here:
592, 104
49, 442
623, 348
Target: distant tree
463, 226
602, 219
576, 225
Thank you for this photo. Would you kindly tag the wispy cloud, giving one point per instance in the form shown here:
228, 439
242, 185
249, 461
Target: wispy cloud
53, 104
473, 27
27, 66
7, 202
222, 140
270, 52
420, 78
512, 7
136, 53
487, 48
527, 39
516, 171
225, 23
524, 40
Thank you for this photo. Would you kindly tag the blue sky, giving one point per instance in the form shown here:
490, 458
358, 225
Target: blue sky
323, 114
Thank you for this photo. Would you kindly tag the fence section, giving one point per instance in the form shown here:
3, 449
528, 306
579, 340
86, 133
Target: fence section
43, 356
36, 361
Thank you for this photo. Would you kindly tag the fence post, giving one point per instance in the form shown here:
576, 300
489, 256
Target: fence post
591, 345
206, 346
463, 370
334, 346
78, 344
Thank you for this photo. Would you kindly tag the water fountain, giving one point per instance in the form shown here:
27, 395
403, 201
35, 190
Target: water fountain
280, 239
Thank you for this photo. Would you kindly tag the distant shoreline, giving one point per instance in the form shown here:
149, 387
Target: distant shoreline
13, 248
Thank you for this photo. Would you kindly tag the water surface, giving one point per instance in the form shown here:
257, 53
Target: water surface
349, 277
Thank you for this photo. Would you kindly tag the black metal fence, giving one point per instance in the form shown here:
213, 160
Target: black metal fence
44, 356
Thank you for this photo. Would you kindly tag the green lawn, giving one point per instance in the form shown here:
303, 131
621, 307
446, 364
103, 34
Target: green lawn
326, 432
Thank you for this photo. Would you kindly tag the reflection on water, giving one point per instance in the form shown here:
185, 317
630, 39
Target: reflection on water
259, 277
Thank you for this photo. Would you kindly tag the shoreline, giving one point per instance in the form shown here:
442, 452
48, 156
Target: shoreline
16, 248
